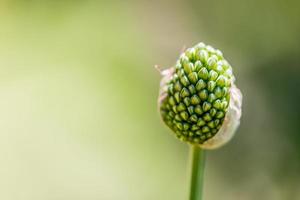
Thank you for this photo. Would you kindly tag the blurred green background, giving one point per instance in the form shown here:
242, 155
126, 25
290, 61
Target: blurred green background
78, 94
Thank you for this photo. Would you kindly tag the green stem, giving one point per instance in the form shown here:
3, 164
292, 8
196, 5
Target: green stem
197, 172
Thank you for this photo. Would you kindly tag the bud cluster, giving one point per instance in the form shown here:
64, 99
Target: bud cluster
197, 94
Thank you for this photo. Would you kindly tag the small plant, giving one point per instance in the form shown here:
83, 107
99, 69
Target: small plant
200, 103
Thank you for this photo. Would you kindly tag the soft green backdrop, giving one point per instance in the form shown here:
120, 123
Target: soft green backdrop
78, 115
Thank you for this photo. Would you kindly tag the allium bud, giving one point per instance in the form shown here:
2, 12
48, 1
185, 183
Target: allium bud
198, 99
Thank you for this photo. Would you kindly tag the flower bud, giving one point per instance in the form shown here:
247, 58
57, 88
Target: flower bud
198, 99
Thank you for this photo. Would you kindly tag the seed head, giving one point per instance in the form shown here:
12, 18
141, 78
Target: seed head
198, 99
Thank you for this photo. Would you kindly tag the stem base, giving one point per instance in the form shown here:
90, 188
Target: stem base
197, 173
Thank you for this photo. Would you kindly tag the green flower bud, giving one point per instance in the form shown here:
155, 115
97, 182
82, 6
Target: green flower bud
193, 77
198, 109
213, 112
203, 56
198, 65
211, 97
198, 100
184, 93
194, 118
188, 68
190, 53
212, 62
195, 100
200, 46
191, 110
203, 73
172, 101
219, 54
187, 101
184, 115
203, 94
221, 81
206, 106
211, 86
217, 104
192, 89
213, 75
201, 84
207, 117
200, 122
177, 86
185, 81
177, 97
181, 107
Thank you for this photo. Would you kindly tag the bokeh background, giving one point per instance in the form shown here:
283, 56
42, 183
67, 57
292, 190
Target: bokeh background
78, 90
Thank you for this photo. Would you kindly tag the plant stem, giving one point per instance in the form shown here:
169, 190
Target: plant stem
197, 172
